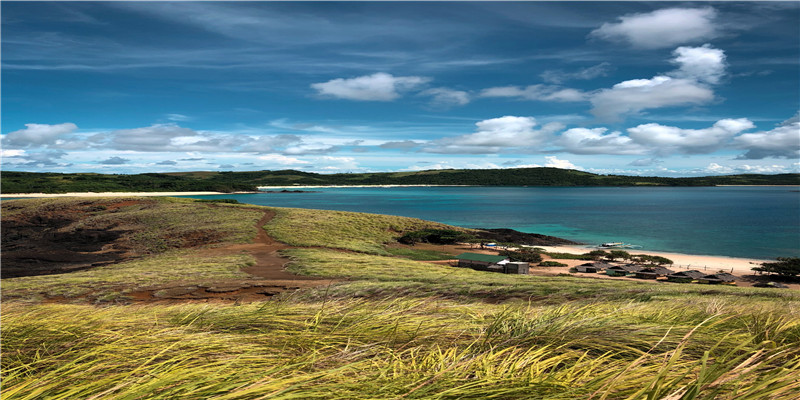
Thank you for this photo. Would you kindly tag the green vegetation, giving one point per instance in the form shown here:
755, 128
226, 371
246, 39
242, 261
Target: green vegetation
114, 282
551, 264
28, 182
435, 236
525, 255
785, 266
389, 328
361, 232
419, 254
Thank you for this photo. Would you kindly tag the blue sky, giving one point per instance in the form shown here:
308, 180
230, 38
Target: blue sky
640, 88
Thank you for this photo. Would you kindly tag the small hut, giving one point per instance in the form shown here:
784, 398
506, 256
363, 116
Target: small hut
719, 278
592, 267
685, 276
483, 262
653, 272
623, 270
517, 267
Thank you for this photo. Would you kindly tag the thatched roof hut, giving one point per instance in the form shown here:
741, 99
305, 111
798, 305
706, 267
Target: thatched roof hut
685, 276
722, 277
592, 267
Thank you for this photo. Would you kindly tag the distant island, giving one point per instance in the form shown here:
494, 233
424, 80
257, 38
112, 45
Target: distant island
32, 182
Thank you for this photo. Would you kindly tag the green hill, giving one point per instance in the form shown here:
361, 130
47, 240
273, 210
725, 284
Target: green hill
29, 182
371, 326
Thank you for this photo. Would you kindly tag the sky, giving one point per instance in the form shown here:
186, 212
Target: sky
632, 88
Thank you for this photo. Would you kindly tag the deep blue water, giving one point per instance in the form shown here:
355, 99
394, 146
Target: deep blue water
757, 222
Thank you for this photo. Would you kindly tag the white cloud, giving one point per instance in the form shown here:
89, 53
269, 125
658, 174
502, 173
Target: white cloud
11, 153
670, 139
444, 97
667, 27
494, 134
642, 94
281, 159
178, 117
559, 76
596, 141
309, 148
536, 92
717, 169
555, 162
376, 87
703, 64
687, 85
781, 142
38, 134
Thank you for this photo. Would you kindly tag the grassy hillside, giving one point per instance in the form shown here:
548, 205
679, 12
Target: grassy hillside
392, 328
27, 182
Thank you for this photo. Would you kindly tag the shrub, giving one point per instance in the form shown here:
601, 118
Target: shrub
551, 264
435, 236
786, 266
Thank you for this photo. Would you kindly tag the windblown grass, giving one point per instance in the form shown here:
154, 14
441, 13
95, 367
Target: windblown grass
396, 329
366, 233
400, 348
112, 282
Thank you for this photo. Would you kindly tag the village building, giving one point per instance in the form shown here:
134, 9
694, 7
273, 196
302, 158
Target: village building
488, 262
718, 278
592, 267
685, 276
652, 272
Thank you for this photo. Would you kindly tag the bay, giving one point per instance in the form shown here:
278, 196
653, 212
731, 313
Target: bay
752, 222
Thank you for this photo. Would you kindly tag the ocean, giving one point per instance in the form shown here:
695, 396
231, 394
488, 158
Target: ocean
751, 222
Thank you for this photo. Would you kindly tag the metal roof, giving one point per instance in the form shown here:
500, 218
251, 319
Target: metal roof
480, 257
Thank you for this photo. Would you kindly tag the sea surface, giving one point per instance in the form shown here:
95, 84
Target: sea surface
752, 222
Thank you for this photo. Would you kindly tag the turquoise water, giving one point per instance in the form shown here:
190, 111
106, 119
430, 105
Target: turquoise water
757, 222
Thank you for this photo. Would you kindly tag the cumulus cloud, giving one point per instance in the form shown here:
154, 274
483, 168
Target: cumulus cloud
405, 145
596, 141
555, 162
781, 142
159, 137
376, 87
688, 85
717, 169
642, 94
114, 161
281, 159
670, 139
444, 97
645, 162
38, 134
536, 92
703, 64
667, 27
494, 134
559, 76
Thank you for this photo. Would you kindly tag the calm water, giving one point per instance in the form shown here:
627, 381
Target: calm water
758, 222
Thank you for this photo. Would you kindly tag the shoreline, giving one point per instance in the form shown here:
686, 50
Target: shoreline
115, 194
683, 261
353, 186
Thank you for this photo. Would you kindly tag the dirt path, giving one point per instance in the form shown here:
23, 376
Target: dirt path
269, 275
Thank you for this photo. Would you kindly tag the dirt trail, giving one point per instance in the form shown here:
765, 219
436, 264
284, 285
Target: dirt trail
269, 275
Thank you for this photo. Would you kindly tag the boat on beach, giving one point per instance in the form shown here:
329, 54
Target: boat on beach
618, 245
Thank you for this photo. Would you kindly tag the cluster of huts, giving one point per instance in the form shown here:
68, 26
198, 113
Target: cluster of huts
490, 263
502, 264
657, 272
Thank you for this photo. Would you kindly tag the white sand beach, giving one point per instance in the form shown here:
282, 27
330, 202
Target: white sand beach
737, 266
113, 194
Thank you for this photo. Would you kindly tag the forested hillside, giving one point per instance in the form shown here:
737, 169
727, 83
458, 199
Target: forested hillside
29, 182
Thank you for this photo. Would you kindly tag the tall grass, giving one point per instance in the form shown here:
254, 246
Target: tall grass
360, 232
399, 348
